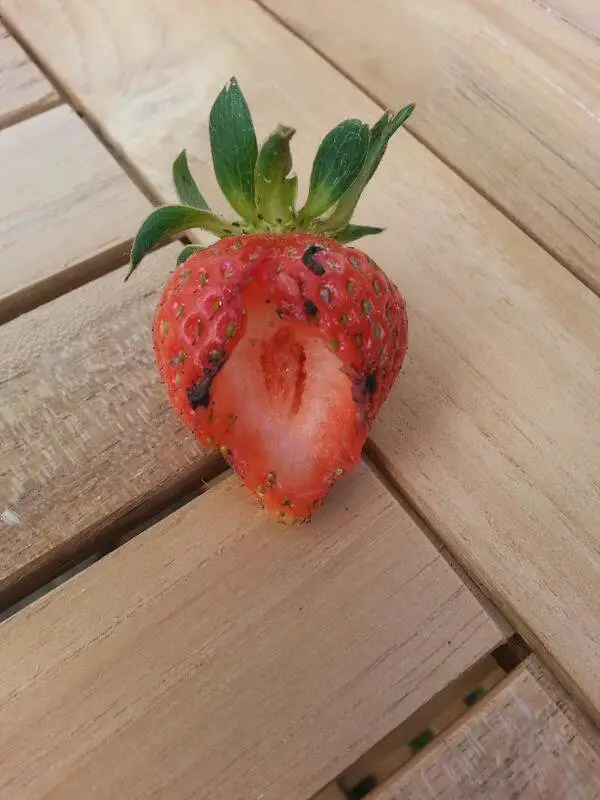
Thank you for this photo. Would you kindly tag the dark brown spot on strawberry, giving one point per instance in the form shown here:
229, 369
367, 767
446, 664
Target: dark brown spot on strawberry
199, 394
271, 478
217, 357
370, 384
308, 259
311, 308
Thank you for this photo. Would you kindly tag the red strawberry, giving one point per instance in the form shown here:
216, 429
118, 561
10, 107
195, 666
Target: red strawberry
279, 343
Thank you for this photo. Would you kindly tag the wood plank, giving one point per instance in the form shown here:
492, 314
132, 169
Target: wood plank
24, 91
493, 430
86, 436
331, 792
584, 14
67, 210
232, 658
516, 743
507, 93
392, 752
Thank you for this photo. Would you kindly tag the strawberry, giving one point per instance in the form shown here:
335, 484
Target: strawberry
279, 342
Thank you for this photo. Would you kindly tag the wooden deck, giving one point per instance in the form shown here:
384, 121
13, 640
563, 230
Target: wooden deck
435, 632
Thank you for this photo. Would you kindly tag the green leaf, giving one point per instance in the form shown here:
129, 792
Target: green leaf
169, 221
275, 190
379, 136
338, 163
187, 190
188, 251
234, 149
353, 232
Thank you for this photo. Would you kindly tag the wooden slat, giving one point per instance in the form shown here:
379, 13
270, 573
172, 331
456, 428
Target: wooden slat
584, 14
508, 93
435, 717
331, 792
24, 91
86, 436
493, 430
219, 655
517, 743
67, 210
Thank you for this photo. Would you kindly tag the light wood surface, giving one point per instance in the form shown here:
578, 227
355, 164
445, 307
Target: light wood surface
392, 753
219, 655
67, 210
506, 92
493, 430
516, 743
86, 435
24, 91
584, 14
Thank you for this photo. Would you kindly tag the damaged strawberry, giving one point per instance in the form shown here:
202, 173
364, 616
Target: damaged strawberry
279, 342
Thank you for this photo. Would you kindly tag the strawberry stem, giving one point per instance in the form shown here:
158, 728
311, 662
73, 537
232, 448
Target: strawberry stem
260, 186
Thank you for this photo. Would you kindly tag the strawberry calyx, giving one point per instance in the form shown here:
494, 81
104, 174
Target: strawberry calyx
259, 183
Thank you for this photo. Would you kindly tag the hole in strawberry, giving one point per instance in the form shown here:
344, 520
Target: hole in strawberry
294, 408
283, 363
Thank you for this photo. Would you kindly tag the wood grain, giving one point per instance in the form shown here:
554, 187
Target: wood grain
493, 430
506, 92
24, 91
516, 743
584, 14
67, 210
392, 752
86, 436
220, 655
